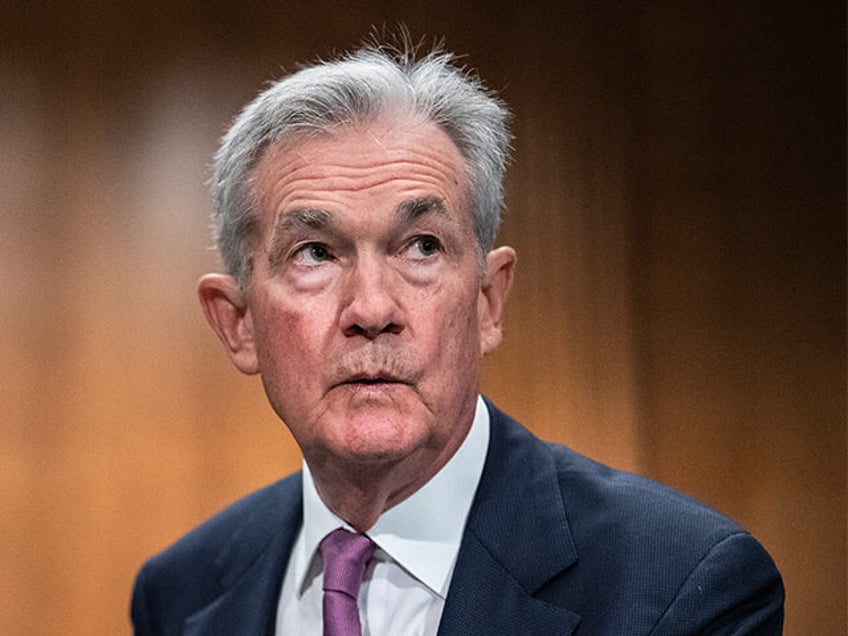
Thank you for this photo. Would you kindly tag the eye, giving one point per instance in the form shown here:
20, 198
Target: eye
425, 246
312, 254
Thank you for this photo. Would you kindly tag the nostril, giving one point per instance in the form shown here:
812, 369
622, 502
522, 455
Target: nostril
373, 331
393, 328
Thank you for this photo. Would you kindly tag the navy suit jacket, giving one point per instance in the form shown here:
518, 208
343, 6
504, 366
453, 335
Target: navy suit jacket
554, 544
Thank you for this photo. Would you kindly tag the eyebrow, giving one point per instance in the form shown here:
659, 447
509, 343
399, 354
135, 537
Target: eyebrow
308, 217
414, 209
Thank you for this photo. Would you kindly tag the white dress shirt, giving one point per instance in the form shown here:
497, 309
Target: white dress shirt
417, 541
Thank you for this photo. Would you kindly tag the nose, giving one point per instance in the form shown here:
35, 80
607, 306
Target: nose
370, 305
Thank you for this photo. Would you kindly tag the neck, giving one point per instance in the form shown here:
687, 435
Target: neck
359, 492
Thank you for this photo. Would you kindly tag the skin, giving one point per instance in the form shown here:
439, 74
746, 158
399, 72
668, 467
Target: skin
367, 314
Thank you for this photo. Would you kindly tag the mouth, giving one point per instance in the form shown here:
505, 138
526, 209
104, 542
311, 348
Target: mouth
371, 380
376, 371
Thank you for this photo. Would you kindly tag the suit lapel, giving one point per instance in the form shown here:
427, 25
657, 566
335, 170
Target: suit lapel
516, 540
251, 569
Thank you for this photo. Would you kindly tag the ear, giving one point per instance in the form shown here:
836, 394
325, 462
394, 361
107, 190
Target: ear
497, 281
228, 314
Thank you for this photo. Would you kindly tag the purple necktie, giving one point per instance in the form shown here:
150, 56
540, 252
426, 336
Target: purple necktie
346, 555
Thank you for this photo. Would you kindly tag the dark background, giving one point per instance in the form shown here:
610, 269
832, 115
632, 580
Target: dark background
677, 200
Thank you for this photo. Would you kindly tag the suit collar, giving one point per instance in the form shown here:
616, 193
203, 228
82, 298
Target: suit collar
251, 566
499, 569
497, 573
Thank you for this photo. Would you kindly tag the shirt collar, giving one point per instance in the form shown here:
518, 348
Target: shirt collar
423, 532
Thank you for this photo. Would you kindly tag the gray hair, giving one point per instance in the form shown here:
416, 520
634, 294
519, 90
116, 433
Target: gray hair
376, 80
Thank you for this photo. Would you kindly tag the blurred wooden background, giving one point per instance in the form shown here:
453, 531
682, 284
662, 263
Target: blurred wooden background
677, 201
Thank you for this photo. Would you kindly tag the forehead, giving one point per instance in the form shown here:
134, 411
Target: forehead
391, 156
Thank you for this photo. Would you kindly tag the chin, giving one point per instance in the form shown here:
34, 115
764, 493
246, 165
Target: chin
380, 438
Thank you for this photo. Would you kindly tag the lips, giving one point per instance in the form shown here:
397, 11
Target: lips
367, 379
378, 367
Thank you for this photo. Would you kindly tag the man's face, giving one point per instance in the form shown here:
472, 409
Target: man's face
367, 313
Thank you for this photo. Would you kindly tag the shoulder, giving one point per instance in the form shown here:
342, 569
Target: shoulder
247, 522
606, 506
192, 571
603, 501
681, 565
654, 555
600, 500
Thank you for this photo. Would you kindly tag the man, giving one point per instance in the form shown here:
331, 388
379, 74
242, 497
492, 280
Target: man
356, 206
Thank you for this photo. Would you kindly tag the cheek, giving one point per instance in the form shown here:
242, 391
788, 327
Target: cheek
280, 333
290, 364
457, 335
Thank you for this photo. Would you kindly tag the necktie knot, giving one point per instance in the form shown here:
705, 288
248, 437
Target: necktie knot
346, 556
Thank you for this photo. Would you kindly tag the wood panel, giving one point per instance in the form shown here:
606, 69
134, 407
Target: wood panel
677, 200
